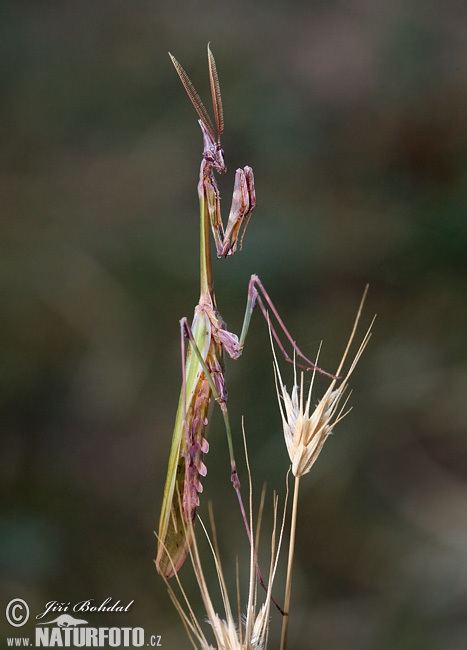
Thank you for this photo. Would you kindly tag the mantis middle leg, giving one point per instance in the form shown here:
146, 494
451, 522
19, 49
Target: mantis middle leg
257, 295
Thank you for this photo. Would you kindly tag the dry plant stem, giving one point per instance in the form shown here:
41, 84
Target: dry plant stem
305, 433
259, 575
288, 582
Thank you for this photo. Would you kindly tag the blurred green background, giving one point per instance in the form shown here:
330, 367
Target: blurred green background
353, 118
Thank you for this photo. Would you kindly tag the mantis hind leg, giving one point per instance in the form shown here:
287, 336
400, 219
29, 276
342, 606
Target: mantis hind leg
219, 393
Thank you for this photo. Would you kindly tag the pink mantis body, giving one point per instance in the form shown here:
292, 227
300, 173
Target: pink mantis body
202, 365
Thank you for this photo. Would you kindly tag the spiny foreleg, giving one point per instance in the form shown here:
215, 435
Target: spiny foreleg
243, 203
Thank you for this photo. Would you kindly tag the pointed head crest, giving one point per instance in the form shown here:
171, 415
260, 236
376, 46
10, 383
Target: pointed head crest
212, 150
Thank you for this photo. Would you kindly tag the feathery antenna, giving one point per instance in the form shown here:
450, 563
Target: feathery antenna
216, 94
194, 97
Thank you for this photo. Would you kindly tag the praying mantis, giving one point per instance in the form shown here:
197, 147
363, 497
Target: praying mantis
202, 363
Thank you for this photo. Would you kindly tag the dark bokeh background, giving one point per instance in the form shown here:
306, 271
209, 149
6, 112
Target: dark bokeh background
353, 117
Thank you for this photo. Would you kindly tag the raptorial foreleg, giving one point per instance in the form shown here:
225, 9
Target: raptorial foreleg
243, 203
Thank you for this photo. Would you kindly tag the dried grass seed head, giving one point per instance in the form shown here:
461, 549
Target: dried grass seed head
305, 433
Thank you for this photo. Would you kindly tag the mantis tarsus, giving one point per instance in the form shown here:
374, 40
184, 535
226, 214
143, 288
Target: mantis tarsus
202, 364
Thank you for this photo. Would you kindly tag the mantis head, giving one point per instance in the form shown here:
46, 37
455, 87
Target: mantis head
212, 150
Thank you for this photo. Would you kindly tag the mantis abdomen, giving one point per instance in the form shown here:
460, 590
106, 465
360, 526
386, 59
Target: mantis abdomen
189, 445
